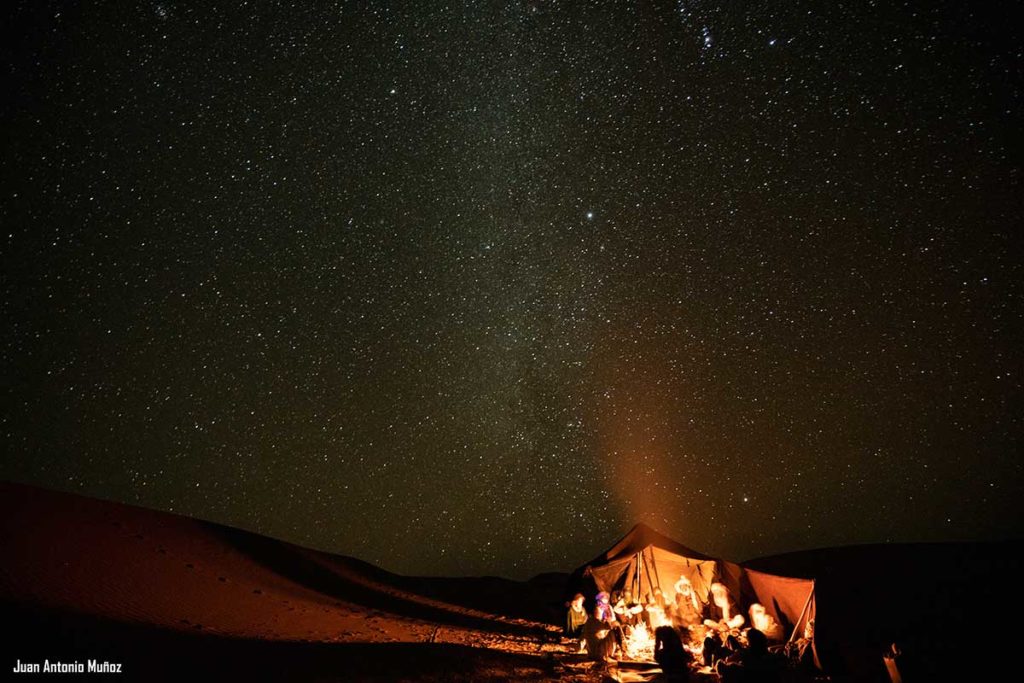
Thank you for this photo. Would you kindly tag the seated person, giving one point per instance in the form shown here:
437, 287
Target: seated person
575, 618
599, 637
603, 606
686, 610
723, 620
654, 613
715, 649
670, 654
607, 615
627, 611
751, 663
721, 612
684, 584
765, 623
800, 652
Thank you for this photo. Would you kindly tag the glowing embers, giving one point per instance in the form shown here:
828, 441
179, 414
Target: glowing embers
638, 644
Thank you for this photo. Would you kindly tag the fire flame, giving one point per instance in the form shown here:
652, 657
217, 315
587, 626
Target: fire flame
638, 644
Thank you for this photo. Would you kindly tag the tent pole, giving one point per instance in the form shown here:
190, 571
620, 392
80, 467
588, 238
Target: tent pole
656, 577
648, 570
649, 573
638, 575
803, 612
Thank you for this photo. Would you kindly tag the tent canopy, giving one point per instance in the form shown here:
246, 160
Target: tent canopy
645, 560
640, 537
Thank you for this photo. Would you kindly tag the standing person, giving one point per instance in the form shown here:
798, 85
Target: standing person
575, 619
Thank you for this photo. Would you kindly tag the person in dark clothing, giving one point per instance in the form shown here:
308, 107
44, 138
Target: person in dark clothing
669, 653
752, 663
800, 652
715, 650
598, 635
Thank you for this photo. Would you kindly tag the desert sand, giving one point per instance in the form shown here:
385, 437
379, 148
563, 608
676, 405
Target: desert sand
170, 598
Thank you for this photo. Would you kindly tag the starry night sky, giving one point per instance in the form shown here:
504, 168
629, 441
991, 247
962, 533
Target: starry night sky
471, 287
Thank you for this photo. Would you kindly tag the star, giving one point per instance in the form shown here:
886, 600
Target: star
325, 305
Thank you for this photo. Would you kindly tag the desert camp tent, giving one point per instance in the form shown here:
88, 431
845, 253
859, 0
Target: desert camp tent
644, 560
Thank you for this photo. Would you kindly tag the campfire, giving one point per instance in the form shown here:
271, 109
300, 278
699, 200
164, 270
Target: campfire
638, 645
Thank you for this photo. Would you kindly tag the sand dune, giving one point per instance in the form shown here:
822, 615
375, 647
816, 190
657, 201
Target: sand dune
167, 595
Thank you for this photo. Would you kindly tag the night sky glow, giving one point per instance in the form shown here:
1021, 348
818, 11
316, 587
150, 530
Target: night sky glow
466, 288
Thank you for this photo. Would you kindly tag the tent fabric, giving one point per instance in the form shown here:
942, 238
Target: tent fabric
611, 576
645, 559
789, 600
670, 566
653, 568
642, 536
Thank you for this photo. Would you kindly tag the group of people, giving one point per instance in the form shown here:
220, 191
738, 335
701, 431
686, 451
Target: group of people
688, 631
600, 633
